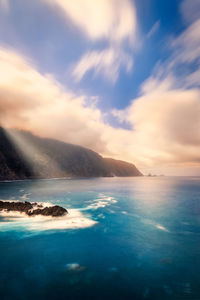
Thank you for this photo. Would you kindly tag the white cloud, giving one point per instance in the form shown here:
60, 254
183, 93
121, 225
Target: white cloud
187, 45
108, 62
164, 120
38, 103
113, 19
167, 124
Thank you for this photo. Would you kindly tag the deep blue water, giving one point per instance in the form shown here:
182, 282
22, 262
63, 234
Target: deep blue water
145, 243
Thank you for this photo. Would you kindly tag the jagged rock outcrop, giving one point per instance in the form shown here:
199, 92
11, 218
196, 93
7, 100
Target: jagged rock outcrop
54, 211
33, 209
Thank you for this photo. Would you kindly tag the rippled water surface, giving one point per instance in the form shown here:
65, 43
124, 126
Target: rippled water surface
124, 238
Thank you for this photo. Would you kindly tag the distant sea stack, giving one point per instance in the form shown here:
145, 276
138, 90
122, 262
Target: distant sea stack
26, 156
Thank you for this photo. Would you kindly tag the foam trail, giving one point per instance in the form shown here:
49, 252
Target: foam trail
161, 227
102, 201
16, 220
74, 267
157, 225
25, 197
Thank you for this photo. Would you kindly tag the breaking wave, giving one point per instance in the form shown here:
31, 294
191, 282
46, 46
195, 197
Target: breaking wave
15, 220
101, 201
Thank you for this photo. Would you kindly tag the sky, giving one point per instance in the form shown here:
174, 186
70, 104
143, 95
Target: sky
120, 77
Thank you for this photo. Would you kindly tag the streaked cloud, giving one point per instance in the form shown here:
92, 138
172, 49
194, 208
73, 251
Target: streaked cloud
36, 102
164, 120
153, 29
107, 62
190, 10
187, 45
166, 124
186, 57
112, 20
166, 117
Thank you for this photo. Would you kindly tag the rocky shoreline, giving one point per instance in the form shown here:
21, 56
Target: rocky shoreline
33, 209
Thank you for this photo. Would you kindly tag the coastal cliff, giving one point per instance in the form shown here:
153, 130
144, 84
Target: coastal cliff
49, 158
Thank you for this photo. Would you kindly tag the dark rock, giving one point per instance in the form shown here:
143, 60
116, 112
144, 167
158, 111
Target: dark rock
54, 211
15, 206
30, 210
39, 205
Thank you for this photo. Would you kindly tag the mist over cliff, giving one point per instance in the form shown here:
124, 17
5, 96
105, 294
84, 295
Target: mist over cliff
24, 155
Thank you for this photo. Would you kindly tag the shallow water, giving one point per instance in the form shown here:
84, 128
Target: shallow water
124, 238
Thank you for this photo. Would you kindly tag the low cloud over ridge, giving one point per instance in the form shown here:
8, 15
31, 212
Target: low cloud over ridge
165, 118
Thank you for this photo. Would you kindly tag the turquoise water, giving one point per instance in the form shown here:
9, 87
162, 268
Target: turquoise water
139, 238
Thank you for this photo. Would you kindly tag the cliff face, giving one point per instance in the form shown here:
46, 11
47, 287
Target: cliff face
12, 165
48, 158
121, 168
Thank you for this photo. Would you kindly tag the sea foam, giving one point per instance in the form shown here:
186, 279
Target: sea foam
74, 267
101, 201
16, 220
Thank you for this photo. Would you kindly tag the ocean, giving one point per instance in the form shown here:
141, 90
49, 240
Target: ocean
124, 238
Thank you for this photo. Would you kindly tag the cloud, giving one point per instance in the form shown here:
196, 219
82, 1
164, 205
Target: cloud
113, 19
187, 45
107, 62
164, 120
167, 124
153, 29
4, 4
36, 102
190, 10
184, 63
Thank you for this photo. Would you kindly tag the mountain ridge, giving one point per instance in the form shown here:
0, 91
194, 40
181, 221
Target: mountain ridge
38, 157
